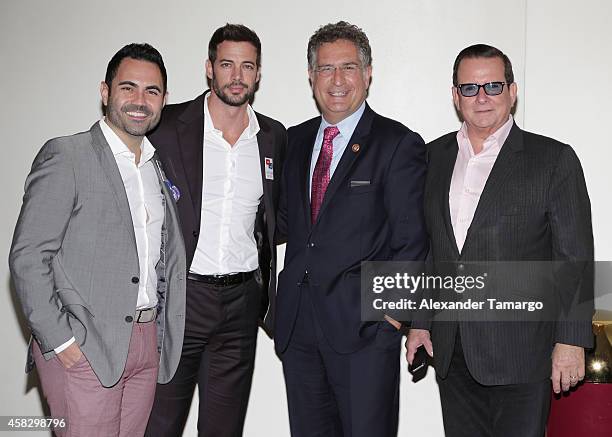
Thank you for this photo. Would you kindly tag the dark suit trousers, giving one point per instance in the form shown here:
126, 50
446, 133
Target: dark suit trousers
218, 355
471, 409
340, 395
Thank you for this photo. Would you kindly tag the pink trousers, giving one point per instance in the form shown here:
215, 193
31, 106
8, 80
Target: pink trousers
92, 410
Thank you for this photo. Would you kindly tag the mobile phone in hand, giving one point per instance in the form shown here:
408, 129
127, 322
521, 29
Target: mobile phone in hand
419, 362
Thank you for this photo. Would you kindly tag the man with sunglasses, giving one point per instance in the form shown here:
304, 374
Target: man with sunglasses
497, 193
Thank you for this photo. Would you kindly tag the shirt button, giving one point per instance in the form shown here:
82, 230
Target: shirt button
129, 319
135, 280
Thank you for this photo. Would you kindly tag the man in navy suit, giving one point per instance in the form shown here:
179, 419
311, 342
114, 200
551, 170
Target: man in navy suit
352, 191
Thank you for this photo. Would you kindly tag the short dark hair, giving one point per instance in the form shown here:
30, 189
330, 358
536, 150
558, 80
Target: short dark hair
333, 32
141, 52
483, 51
236, 33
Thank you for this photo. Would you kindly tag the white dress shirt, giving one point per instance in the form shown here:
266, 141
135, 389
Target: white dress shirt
146, 207
470, 176
232, 188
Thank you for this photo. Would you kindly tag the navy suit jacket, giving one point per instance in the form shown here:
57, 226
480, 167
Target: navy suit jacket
380, 218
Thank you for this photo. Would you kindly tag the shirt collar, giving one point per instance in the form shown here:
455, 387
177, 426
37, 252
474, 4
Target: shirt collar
118, 147
496, 139
251, 130
346, 126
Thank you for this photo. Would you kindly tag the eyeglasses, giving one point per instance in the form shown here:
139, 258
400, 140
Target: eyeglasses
490, 89
329, 70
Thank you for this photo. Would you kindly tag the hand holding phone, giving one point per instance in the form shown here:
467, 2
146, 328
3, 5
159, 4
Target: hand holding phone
419, 363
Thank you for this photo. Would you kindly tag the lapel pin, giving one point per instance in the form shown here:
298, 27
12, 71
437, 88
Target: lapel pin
269, 168
355, 148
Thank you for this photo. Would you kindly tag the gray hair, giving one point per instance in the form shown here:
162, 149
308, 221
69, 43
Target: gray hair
333, 32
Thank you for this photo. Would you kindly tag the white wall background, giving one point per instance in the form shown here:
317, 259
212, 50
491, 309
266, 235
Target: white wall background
53, 55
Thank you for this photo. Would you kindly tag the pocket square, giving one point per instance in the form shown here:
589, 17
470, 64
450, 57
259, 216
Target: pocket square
176, 194
359, 183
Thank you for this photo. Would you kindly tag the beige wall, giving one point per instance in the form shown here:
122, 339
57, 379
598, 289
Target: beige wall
53, 56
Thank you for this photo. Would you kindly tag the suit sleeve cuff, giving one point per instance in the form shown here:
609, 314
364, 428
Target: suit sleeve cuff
421, 324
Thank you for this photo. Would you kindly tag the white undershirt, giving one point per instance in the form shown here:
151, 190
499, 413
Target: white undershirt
231, 191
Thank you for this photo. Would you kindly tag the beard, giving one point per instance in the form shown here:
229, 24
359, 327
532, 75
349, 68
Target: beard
229, 99
119, 118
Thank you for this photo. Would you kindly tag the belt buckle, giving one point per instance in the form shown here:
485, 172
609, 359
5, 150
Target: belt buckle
140, 318
229, 279
223, 280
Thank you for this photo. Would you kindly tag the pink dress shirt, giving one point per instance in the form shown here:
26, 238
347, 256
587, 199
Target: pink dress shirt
470, 176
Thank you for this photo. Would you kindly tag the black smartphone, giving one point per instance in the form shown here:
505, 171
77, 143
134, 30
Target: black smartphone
419, 362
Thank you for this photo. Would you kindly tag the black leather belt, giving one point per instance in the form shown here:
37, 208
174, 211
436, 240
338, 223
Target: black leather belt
221, 280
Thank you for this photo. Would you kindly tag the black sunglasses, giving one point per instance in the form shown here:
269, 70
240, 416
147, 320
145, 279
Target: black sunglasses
490, 89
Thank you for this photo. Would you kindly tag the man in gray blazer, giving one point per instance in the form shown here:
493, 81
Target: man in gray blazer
98, 260
496, 193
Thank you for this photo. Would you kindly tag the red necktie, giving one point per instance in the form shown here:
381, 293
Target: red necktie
320, 176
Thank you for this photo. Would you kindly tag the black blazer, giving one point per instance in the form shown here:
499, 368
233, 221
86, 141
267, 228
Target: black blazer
379, 218
179, 140
534, 207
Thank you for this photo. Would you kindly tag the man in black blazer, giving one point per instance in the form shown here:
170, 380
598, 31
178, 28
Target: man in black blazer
225, 162
352, 191
497, 193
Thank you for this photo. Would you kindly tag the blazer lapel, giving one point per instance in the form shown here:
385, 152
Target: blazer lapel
304, 177
447, 169
168, 196
502, 169
190, 132
265, 144
349, 157
109, 165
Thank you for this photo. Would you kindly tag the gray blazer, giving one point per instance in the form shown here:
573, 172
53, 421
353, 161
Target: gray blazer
74, 260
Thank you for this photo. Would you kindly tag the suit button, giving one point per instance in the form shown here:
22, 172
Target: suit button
63, 309
129, 319
195, 234
461, 267
310, 245
135, 280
